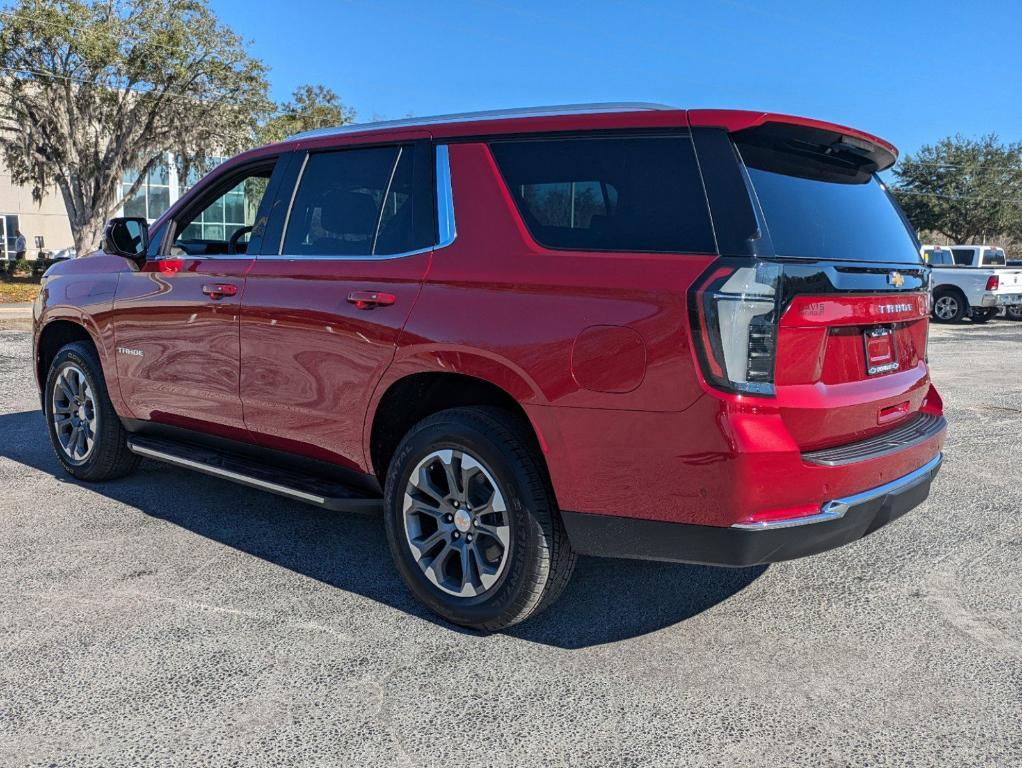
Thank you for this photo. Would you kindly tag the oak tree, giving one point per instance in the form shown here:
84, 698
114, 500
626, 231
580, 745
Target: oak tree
965, 189
92, 88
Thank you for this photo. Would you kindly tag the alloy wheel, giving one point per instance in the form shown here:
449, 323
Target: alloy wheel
456, 523
946, 307
75, 414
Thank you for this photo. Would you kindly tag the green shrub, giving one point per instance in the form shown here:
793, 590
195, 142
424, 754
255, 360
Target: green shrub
21, 268
41, 265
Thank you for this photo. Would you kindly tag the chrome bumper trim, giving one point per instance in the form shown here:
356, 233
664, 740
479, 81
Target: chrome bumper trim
836, 508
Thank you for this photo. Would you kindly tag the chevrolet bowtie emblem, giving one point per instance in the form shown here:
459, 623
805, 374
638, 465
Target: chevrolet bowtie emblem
896, 279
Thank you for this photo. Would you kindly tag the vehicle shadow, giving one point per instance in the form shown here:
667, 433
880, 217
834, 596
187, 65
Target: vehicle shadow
606, 600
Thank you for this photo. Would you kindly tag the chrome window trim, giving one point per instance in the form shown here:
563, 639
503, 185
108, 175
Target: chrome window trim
836, 509
447, 226
447, 229
203, 257
496, 114
346, 257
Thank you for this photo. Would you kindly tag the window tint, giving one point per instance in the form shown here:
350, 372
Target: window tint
609, 193
993, 257
360, 202
819, 208
406, 222
570, 204
963, 256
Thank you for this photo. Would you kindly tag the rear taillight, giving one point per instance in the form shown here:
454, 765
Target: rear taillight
993, 282
734, 320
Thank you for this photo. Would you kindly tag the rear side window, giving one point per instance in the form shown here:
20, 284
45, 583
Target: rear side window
361, 202
627, 193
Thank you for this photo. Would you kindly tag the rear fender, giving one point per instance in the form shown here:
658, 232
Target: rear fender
458, 360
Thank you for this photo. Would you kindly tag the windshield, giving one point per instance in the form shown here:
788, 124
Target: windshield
812, 210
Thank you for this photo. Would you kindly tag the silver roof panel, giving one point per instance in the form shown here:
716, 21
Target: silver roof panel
495, 114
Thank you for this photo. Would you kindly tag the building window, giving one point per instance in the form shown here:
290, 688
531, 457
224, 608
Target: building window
225, 215
152, 198
8, 235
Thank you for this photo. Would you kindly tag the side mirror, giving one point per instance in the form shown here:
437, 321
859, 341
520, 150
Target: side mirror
126, 237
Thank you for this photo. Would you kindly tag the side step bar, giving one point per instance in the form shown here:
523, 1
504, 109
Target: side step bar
283, 482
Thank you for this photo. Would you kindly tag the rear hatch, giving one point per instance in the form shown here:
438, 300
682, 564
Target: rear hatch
827, 321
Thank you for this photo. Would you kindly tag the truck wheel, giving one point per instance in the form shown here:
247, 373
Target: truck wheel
949, 307
471, 520
88, 438
983, 315
1013, 311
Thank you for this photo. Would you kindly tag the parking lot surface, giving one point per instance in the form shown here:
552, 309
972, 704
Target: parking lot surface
173, 619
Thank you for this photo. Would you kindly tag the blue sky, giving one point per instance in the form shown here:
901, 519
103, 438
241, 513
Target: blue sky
910, 72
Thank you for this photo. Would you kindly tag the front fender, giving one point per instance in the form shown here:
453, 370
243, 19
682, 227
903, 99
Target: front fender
85, 299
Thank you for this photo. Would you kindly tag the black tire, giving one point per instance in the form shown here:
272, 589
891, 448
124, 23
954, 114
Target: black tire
1013, 312
109, 456
539, 558
949, 306
983, 315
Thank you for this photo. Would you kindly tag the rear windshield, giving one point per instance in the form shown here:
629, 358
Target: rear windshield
993, 257
963, 256
610, 193
813, 209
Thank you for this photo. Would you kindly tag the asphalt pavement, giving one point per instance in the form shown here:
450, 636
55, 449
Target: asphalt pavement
173, 619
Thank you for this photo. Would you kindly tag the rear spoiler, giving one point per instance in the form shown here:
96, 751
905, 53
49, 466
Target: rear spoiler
760, 127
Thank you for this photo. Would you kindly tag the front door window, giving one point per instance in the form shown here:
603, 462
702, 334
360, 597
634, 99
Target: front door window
222, 226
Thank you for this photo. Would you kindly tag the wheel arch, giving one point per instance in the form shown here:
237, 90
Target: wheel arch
52, 338
409, 398
949, 288
952, 290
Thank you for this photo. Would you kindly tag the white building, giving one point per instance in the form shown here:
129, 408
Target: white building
46, 227
44, 224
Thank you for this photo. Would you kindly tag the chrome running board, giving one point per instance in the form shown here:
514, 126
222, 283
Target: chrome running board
283, 482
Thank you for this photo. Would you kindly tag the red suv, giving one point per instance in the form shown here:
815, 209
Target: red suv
621, 330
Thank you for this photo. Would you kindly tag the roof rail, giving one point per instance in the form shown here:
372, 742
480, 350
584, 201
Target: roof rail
496, 114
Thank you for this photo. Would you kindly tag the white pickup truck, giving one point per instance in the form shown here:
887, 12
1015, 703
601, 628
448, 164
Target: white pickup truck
972, 281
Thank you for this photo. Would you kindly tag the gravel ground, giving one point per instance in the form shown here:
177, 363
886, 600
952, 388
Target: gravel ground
173, 619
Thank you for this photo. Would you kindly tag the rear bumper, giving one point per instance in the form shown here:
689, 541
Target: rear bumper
839, 521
